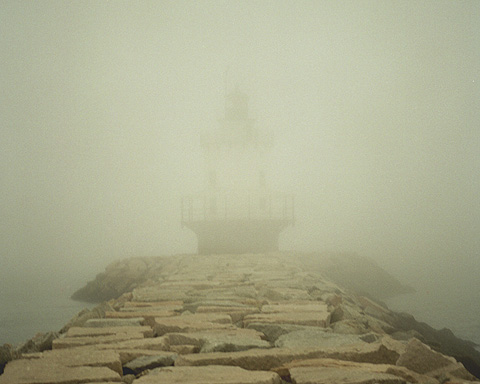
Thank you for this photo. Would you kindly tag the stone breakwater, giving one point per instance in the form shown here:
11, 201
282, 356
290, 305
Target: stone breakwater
240, 319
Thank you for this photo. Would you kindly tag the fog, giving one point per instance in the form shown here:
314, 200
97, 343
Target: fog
373, 106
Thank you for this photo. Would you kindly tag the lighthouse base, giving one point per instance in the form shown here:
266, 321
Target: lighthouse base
237, 236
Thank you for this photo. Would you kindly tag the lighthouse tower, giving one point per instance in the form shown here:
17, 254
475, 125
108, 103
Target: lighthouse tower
237, 212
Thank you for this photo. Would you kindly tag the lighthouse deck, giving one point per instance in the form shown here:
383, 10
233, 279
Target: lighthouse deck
232, 223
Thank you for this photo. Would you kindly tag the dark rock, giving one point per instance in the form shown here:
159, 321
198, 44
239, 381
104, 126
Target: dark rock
39, 343
359, 274
80, 319
128, 378
443, 341
7, 353
143, 363
421, 359
119, 277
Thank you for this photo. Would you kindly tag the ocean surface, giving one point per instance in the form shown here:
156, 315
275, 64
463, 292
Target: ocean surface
457, 309
29, 306
461, 314
21, 320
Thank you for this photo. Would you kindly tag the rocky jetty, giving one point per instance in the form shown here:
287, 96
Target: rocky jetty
238, 319
353, 272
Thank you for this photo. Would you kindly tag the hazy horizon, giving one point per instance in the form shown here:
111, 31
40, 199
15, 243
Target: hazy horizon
373, 105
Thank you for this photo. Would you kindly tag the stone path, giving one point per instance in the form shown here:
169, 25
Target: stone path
237, 320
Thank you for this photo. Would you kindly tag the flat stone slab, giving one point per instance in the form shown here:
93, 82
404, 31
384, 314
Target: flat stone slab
316, 338
296, 307
127, 355
190, 323
141, 304
35, 371
351, 367
273, 331
222, 340
210, 375
107, 323
278, 294
71, 342
106, 331
320, 319
156, 294
236, 313
328, 375
153, 343
223, 303
383, 352
154, 308
253, 359
139, 314
83, 356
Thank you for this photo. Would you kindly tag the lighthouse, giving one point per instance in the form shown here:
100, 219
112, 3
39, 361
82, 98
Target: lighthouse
237, 212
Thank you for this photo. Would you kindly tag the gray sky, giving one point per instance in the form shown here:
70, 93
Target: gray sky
374, 106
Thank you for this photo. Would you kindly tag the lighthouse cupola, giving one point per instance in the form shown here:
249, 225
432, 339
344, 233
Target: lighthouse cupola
237, 211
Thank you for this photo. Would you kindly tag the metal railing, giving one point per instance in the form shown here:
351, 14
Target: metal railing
237, 206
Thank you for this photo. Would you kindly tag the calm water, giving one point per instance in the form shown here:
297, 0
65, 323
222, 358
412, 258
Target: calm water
29, 306
457, 310
21, 320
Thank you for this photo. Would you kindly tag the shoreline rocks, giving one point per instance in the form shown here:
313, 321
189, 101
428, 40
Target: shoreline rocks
239, 319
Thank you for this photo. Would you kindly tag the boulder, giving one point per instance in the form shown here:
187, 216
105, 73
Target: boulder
84, 315
40, 342
120, 277
349, 327
7, 353
420, 358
